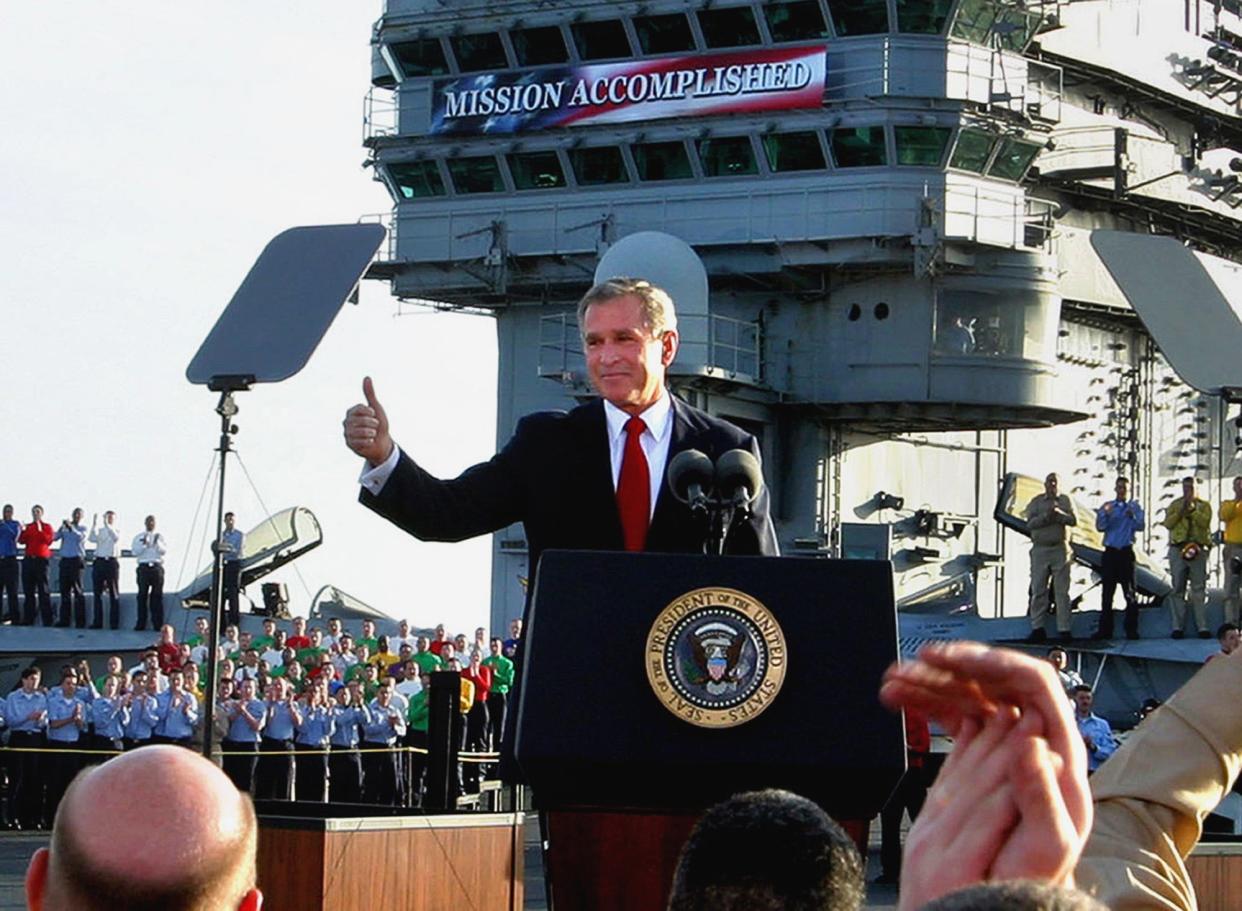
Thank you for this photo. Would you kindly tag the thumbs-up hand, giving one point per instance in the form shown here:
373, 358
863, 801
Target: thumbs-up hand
366, 427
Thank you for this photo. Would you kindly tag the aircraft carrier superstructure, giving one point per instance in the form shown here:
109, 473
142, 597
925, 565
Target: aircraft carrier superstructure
904, 303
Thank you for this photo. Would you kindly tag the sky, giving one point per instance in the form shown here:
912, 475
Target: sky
148, 153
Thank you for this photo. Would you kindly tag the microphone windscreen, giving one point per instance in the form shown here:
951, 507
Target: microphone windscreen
686, 469
738, 470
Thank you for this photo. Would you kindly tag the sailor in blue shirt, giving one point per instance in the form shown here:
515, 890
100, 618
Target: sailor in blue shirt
25, 710
72, 538
141, 714
231, 543
384, 728
313, 732
108, 717
178, 712
344, 762
247, 716
275, 764
66, 719
10, 528
1096, 733
1120, 519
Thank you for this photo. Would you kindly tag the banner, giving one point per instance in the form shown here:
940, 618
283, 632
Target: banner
744, 82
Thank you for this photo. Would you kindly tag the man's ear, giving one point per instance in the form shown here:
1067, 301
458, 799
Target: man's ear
36, 879
669, 344
253, 901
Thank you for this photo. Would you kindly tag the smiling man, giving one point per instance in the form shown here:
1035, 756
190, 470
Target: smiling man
592, 478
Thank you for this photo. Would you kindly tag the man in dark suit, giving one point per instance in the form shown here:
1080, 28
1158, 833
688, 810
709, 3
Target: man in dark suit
592, 478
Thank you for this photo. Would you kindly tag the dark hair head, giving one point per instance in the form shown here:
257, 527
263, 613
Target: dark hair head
1225, 628
1016, 895
32, 671
1082, 688
767, 851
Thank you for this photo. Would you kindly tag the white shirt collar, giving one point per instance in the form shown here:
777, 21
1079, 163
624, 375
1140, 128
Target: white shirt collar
657, 417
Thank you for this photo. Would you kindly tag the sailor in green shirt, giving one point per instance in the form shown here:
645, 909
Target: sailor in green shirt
498, 698
268, 639
426, 659
368, 637
116, 668
1189, 521
200, 633
309, 657
417, 719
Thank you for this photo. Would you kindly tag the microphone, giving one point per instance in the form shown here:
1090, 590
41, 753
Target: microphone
738, 478
690, 477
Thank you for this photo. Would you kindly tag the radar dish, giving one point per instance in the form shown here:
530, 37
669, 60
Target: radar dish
1190, 302
664, 260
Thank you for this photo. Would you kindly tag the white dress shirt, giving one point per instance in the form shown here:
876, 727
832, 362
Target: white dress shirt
149, 547
655, 442
107, 541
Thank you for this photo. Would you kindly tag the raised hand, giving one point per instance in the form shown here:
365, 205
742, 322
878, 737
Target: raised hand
366, 427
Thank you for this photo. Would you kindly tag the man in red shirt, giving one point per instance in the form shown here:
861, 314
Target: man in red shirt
167, 650
440, 641
476, 719
37, 538
299, 639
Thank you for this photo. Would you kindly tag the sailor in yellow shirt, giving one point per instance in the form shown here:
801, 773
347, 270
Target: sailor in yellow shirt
1231, 514
1189, 521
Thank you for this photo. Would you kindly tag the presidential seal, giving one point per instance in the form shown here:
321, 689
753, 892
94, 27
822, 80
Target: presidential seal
716, 657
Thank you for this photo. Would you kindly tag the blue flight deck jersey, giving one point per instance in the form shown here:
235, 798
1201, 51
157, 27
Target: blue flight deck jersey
9, 530
346, 721
176, 723
140, 718
315, 727
1120, 522
17, 709
61, 706
240, 729
279, 721
72, 540
108, 718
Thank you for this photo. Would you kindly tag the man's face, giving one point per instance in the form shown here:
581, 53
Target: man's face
1123, 489
150, 523
246, 639
385, 695
440, 631
37, 513
422, 643
334, 627
109, 517
1229, 642
299, 626
200, 626
31, 683
479, 634
625, 361
368, 629
176, 681
316, 638
495, 647
446, 654
1082, 701
8, 513
460, 642
515, 629
1050, 485
269, 628
403, 628
344, 695
228, 521
247, 689
69, 684
1058, 659
1188, 488
77, 516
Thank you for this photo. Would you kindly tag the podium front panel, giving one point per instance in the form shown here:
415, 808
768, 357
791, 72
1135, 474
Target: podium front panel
625, 700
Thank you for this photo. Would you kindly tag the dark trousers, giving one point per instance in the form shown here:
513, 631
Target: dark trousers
345, 772
1116, 569
34, 583
8, 588
312, 777
232, 592
27, 779
497, 706
271, 774
476, 742
150, 595
379, 775
418, 765
65, 763
908, 798
105, 574
240, 769
71, 592
129, 743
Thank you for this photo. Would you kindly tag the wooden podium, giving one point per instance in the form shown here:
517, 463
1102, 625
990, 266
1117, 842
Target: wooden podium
655, 685
440, 862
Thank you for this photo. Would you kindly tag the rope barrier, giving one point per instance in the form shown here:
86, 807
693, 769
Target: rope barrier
462, 756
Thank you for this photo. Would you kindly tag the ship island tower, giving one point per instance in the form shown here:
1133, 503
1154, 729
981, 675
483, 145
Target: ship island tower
904, 304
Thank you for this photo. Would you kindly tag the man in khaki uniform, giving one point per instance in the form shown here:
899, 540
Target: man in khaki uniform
1231, 514
1189, 521
1049, 517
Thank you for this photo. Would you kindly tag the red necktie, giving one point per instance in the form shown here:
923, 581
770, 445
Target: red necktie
634, 488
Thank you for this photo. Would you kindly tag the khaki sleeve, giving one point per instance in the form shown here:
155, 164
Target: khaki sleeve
1152, 796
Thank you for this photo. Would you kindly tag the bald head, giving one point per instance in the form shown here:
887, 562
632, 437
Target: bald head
194, 831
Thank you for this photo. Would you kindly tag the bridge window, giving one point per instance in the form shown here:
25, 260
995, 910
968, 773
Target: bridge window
602, 40
972, 151
731, 26
922, 147
539, 46
798, 21
600, 165
924, 17
479, 52
729, 156
859, 17
794, 152
536, 170
416, 179
476, 174
666, 34
859, 147
1013, 159
662, 161
422, 57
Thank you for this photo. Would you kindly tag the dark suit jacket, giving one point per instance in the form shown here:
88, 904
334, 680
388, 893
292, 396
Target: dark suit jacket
555, 477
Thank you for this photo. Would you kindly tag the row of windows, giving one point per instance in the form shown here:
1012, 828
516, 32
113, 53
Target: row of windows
670, 33
975, 150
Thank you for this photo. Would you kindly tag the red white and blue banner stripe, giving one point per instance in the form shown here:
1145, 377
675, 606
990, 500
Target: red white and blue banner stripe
743, 82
